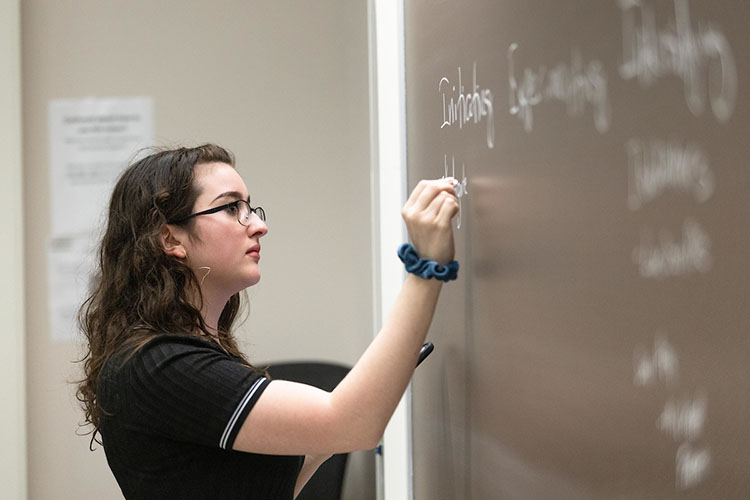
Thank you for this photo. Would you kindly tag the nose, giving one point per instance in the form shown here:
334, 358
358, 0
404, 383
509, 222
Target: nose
257, 226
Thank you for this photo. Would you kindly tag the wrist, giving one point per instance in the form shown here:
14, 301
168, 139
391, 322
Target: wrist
425, 268
421, 283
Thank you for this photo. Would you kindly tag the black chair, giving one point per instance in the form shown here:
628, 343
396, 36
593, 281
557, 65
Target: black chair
328, 480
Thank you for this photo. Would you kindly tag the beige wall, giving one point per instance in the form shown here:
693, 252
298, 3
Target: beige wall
12, 360
284, 84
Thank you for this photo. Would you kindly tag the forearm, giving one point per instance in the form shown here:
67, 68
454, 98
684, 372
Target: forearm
369, 394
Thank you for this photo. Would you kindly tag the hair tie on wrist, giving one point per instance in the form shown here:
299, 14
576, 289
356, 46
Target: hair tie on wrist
424, 268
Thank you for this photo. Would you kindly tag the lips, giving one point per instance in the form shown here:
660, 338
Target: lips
254, 251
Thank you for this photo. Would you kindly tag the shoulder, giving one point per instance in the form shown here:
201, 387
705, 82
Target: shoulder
164, 351
169, 344
182, 342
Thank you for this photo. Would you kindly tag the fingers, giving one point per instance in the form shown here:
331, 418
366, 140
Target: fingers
442, 206
426, 192
428, 213
449, 208
432, 200
417, 192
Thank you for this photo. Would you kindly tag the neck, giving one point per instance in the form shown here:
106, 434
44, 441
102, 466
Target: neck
213, 305
211, 312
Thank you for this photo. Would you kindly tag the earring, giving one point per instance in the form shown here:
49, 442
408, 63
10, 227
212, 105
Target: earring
208, 270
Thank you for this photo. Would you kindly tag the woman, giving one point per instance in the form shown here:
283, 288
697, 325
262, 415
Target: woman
181, 412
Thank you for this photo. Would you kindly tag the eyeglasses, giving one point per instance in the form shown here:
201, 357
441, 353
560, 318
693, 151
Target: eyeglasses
241, 208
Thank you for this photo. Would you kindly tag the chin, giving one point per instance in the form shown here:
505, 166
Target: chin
252, 281
248, 276
244, 284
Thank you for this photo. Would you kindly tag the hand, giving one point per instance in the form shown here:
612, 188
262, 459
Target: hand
428, 214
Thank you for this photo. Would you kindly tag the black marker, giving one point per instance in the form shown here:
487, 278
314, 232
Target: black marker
425, 351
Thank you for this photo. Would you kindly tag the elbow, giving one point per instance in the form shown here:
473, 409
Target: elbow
370, 442
363, 428
359, 436
370, 438
373, 444
360, 445
359, 440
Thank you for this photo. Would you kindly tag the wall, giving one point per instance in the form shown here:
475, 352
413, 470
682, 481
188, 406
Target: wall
283, 85
12, 361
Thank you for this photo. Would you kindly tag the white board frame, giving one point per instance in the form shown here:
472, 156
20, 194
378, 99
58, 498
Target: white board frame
388, 146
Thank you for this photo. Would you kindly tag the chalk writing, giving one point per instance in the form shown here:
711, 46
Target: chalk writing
656, 166
461, 187
664, 257
661, 364
692, 465
464, 107
702, 58
569, 83
683, 419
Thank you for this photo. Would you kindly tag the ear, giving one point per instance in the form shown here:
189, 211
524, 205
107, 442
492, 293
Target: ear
171, 242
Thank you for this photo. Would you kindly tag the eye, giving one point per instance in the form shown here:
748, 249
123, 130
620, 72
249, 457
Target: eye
232, 209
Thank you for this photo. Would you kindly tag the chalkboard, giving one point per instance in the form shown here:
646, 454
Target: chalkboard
597, 342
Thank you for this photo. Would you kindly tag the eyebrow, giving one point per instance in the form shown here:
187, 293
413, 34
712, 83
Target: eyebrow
230, 194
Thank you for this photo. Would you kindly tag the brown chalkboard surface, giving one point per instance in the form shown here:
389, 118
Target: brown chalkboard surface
597, 342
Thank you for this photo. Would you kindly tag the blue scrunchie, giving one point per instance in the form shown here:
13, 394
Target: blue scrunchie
424, 268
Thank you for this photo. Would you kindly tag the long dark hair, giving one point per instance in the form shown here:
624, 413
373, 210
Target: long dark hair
139, 291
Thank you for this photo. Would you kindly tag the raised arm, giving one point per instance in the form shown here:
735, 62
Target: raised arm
291, 418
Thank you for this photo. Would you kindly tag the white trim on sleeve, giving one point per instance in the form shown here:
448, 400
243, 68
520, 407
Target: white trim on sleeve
237, 412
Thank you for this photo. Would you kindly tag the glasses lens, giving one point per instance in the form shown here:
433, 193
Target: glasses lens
243, 212
260, 213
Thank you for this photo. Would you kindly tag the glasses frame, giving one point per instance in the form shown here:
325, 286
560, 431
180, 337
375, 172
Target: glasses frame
258, 211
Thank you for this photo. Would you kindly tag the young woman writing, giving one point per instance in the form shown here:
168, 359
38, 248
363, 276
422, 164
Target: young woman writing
180, 411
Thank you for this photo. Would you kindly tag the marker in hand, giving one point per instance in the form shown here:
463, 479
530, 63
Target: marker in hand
427, 348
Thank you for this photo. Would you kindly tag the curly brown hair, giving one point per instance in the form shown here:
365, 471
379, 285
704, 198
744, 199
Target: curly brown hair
139, 291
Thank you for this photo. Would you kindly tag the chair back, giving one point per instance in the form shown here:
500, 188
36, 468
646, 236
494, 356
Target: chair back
327, 482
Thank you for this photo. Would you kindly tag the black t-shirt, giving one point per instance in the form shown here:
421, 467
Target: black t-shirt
170, 415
